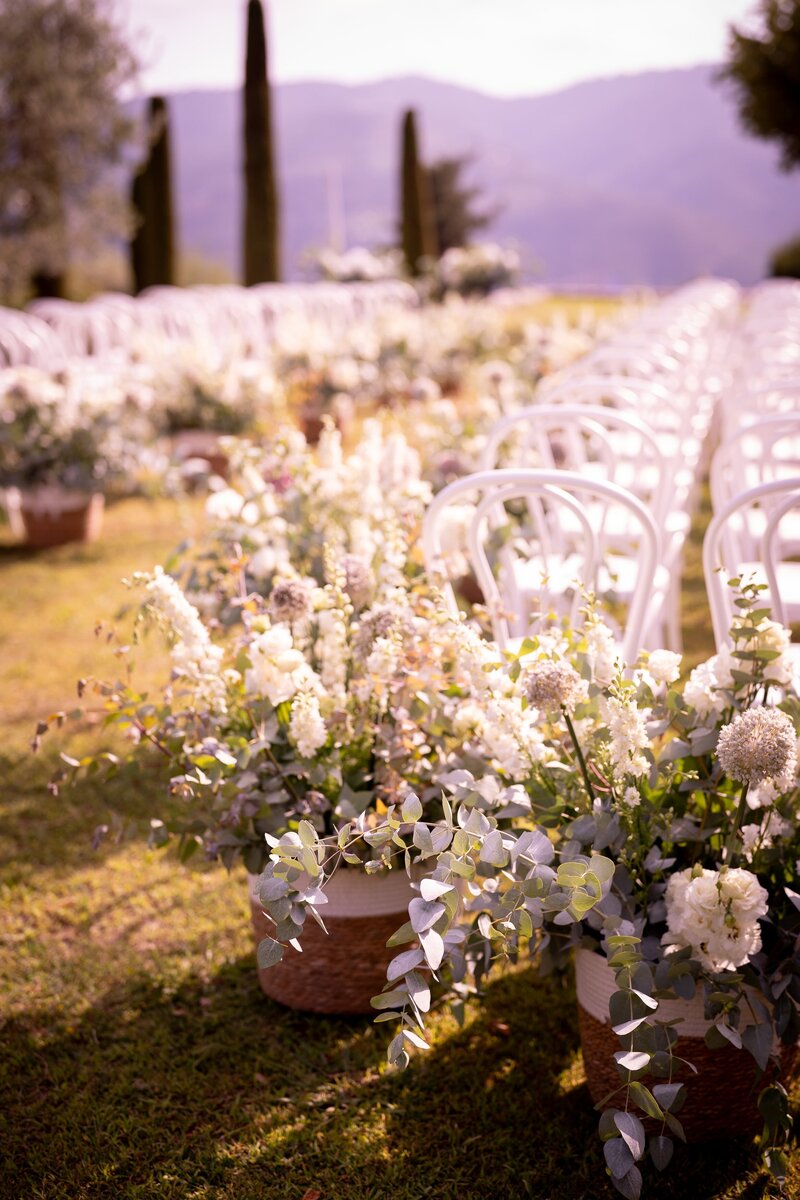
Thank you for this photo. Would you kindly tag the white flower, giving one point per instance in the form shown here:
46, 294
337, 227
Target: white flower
278, 670
468, 718
716, 913
306, 727
664, 665
264, 562
628, 736
776, 638
706, 684
601, 653
631, 797
761, 836
384, 658
194, 657
225, 505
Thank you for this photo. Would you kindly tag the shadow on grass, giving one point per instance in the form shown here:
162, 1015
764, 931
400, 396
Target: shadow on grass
213, 1091
41, 830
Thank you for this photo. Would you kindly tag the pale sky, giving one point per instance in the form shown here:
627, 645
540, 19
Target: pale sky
506, 47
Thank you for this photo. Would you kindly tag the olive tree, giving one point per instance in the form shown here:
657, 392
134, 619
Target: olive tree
63, 128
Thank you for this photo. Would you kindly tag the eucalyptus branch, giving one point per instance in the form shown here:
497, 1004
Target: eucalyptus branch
143, 732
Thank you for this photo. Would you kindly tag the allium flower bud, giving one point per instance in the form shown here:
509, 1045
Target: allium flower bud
758, 744
553, 685
359, 580
289, 601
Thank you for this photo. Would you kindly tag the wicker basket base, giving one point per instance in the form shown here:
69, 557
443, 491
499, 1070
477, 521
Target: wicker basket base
45, 526
721, 1100
337, 973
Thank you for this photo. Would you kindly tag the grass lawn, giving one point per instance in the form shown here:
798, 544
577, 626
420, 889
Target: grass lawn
139, 1058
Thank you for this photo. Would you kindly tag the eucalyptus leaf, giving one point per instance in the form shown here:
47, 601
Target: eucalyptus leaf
630, 1185
645, 1100
432, 889
632, 1132
269, 953
411, 809
758, 1040
670, 1095
403, 963
424, 913
433, 948
661, 1150
618, 1157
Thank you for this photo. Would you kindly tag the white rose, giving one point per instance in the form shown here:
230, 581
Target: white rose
664, 665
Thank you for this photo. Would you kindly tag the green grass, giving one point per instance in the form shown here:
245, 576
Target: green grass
138, 1057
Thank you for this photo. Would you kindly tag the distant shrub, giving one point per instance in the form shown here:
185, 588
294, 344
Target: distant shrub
784, 261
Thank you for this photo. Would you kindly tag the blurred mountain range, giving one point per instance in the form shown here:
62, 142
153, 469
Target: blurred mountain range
637, 179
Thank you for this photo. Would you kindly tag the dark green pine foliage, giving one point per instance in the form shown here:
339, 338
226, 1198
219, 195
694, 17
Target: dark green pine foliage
153, 244
453, 201
764, 69
417, 226
261, 249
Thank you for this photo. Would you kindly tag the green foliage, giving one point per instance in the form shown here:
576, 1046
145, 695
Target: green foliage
764, 69
417, 225
261, 247
153, 244
63, 64
785, 260
454, 213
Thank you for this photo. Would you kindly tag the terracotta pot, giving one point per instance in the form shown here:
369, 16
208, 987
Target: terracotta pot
720, 1100
202, 444
53, 516
339, 972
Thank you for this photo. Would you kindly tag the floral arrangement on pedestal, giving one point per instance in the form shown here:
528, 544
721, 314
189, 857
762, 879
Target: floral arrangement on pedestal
360, 265
648, 830
477, 270
64, 445
54, 432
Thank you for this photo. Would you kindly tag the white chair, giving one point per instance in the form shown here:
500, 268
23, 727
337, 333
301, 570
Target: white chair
606, 443
727, 553
765, 449
543, 561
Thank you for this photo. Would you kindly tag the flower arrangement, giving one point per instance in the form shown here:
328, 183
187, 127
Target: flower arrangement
607, 813
359, 265
194, 395
56, 434
286, 509
477, 270
328, 697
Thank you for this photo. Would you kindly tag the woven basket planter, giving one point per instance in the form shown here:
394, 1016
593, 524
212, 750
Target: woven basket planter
312, 422
339, 972
52, 516
721, 1100
202, 445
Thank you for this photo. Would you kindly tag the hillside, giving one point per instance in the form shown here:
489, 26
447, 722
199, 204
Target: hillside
637, 179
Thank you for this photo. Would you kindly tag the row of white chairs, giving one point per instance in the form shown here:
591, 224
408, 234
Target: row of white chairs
592, 486
755, 472
224, 321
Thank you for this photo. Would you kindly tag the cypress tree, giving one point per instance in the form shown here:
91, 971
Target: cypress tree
153, 244
417, 228
261, 253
